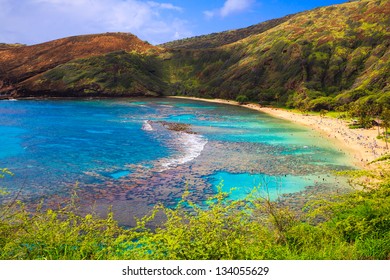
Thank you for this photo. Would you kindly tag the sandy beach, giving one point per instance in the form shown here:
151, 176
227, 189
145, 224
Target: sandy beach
360, 144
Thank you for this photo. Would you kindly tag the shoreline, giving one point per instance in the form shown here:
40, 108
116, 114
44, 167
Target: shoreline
360, 145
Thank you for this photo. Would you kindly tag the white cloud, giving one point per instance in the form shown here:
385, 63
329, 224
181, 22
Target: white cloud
230, 7
233, 6
35, 21
209, 14
167, 6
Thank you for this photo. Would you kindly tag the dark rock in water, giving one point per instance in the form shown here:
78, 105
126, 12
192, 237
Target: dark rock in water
181, 127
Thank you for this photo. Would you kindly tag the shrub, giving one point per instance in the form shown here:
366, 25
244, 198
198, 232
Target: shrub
242, 99
353, 226
322, 103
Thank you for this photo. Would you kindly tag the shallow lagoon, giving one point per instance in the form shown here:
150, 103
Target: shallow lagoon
119, 153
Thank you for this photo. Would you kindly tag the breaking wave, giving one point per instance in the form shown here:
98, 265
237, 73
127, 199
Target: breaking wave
191, 146
188, 145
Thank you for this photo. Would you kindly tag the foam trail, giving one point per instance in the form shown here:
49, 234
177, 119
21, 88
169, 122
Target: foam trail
192, 147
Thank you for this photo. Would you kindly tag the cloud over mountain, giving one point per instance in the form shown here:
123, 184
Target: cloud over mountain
230, 7
60, 18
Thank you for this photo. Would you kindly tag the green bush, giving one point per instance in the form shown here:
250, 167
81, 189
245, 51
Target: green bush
353, 226
55, 234
242, 99
322, 103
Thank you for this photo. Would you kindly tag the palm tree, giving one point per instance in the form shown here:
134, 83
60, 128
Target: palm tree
386, 122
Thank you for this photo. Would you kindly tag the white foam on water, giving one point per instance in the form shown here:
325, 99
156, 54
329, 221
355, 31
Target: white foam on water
192, 146
10, 100
147, 126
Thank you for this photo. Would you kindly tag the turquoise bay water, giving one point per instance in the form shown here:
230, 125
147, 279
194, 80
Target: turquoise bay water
118, 153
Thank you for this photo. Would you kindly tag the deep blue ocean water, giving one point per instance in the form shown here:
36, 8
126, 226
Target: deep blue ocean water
118, 152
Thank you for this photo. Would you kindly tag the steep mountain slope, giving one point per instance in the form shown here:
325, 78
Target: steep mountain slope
18, 64
118, 73
214, 40
319, 59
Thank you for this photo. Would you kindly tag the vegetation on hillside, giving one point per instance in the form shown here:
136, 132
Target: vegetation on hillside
214, 40
7, 46
326, 58
352, 226
116, 74
21, 64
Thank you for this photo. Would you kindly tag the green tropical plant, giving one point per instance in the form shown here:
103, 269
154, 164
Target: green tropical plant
351, 226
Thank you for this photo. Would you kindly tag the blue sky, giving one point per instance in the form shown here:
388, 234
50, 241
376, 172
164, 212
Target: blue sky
157, 21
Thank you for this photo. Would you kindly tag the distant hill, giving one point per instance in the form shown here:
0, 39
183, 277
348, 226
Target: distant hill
325, 58
214, 40
17, 65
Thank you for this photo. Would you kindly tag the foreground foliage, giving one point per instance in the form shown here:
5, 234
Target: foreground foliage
354, 226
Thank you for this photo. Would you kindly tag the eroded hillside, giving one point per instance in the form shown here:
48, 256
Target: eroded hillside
19, 65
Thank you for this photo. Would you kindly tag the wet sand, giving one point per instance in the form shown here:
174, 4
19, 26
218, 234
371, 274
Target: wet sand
360, 145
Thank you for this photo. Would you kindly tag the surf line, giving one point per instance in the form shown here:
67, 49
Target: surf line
189, 144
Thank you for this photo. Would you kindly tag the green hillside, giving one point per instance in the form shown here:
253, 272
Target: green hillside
70, 72
320, 59
214, 40
118, 73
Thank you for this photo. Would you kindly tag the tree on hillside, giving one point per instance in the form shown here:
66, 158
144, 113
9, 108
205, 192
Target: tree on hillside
242, 99
364, 113
376, 112
386, 123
